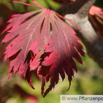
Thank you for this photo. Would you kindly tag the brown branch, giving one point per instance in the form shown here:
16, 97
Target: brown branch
89, 37
83, 11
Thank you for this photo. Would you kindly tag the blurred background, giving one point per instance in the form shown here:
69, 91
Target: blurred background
88, 80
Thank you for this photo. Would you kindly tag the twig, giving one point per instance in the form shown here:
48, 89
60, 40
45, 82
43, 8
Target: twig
89, 37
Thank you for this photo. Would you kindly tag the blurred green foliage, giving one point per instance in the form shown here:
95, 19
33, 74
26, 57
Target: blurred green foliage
88, 80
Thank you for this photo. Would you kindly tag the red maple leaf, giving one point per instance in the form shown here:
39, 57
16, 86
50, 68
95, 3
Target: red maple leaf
40, 39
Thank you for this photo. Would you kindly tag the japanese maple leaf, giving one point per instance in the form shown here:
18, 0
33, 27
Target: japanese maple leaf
41, 40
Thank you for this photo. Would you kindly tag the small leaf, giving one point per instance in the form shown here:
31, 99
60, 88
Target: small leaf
96, 16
